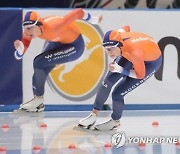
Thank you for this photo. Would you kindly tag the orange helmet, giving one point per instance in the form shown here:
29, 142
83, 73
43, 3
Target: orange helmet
112, 38
31, 19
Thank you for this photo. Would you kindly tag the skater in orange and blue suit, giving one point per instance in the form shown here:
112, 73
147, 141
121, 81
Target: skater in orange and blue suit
136, 57
64, 43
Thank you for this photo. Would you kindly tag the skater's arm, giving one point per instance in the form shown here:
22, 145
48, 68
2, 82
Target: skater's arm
136, 56
73, 16
114, 67
21, 46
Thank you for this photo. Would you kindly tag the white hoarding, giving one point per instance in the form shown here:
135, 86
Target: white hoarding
163, 26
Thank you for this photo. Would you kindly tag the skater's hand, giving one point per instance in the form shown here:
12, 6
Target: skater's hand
111, 67
114, 67
96, 20
100, 19
19, 46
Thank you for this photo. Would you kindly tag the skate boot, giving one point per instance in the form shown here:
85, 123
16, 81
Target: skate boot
88, 122
108, 125
34, 105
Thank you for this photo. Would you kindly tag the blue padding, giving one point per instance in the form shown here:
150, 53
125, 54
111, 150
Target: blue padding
10, 108
11, 69
152, 107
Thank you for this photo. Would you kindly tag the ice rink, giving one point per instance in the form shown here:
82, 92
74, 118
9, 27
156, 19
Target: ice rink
57, 133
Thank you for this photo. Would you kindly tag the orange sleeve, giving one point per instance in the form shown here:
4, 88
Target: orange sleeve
69, 18
136, 57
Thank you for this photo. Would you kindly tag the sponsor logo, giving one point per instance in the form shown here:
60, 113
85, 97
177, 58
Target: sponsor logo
120, 139
51, 18
142, 39
138, 83
48, 56
104, 84
163, 43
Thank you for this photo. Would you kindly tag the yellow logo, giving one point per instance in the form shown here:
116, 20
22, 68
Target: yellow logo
78, 80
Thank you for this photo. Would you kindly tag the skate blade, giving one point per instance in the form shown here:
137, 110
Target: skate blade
112, 129
20, 111
25, 111
86, 127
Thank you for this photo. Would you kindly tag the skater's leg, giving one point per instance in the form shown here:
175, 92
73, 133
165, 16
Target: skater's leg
122, 88
105, 89
101, 97
54, 53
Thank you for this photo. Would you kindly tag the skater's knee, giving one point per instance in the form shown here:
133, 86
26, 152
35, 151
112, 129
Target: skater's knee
107, 83
116, 96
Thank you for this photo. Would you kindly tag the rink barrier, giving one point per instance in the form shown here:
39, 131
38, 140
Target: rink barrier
10, 108
162, 88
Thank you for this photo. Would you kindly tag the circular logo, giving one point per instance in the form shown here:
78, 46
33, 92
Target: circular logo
118, 139
78, 80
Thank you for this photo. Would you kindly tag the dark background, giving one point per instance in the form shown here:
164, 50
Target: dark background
88, 3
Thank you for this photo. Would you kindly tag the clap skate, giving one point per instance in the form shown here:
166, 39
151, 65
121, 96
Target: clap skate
34, 105
88, 122
108, 125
